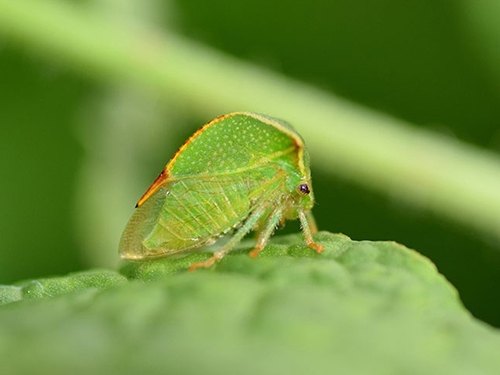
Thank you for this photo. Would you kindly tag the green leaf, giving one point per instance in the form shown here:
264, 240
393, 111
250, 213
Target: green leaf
98, 279
357, 308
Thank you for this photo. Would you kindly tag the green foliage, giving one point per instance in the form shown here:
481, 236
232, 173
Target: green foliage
358, 308
96, 279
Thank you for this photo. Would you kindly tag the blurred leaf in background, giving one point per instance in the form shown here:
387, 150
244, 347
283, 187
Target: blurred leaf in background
40, 158
79, 145
120, 130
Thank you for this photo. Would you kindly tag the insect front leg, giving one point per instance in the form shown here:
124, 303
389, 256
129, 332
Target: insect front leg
218, 255
266, 233
312, 222
306, 228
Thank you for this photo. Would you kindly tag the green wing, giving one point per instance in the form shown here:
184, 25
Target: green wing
188, 213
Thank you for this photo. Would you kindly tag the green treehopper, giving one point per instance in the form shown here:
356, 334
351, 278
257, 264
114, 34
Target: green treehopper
242, 171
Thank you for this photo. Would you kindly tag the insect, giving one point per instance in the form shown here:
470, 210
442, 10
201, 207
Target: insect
243, 172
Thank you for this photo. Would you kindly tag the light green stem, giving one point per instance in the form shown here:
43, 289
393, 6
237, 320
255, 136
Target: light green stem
441, 174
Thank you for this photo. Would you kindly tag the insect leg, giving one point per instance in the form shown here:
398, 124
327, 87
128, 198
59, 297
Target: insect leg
218, 255
266, 232
312, 222
306, 228
282, 223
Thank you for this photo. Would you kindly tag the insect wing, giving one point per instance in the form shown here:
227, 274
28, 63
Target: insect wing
140, 225
188, 213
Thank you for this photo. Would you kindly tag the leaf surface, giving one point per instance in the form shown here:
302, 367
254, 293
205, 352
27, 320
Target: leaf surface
358, 308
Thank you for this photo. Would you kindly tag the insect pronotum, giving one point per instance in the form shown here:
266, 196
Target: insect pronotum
242, 171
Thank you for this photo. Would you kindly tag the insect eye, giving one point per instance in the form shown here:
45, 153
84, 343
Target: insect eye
304, 189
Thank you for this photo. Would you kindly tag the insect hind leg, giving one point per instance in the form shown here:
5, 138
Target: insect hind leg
218, 255
266, 233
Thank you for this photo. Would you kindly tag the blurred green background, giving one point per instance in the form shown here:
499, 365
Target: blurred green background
78, 149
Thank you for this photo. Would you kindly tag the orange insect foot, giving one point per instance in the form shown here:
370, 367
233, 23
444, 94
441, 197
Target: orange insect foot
254, 253
319, 248
204, 264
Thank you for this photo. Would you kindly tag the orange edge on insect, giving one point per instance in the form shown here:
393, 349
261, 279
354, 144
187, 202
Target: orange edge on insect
162, 179
158, 183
